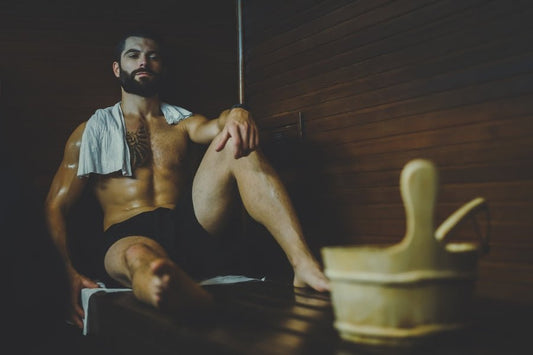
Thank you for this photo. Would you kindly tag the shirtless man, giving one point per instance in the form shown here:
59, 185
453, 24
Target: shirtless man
156, 188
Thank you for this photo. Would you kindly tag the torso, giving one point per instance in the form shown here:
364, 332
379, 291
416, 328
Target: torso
160, 172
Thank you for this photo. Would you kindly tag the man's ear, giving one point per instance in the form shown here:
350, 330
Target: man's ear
116, 69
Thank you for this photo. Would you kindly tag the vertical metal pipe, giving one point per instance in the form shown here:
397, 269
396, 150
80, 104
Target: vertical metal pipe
241, 49
244, 214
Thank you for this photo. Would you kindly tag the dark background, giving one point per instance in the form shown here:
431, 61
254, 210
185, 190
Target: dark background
377, 83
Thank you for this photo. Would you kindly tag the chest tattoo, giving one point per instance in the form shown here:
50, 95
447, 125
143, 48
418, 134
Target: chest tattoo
139, 144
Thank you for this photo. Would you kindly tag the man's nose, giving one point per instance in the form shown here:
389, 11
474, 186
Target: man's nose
142, 61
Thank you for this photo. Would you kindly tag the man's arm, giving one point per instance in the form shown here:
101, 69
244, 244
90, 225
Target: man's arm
236, 124
64, 191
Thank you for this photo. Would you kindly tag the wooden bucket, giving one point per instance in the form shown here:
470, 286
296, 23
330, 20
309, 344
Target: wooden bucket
422, 286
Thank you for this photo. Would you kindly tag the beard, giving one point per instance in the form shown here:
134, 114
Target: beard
146, 87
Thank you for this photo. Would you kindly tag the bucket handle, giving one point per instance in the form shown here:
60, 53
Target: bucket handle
467, 210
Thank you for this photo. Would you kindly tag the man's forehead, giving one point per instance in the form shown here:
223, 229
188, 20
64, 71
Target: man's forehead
140, 43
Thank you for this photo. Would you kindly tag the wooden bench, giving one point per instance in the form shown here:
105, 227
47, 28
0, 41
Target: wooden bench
265, 317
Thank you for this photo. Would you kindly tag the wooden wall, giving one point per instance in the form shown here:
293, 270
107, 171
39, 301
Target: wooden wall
381, 82
55, 71
377, 83
55, 67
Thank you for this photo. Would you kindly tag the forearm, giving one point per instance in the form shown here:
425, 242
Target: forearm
202, 130
211, 128
236, 124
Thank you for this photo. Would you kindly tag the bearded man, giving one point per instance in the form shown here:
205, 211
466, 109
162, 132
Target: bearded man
160, 233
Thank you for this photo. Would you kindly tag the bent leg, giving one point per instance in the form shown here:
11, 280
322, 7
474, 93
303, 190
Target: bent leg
142, 264
265, 198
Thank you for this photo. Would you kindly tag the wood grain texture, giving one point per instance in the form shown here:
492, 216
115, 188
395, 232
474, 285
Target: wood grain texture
379, 83
273, 318
56, 67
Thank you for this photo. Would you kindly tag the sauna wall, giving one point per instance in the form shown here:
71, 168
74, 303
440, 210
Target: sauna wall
55, 67
55, 72
378, 83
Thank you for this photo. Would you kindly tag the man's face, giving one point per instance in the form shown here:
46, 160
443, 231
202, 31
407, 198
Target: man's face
140, 67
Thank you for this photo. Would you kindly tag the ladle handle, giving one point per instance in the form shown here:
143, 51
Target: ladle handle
418, 186
467, 210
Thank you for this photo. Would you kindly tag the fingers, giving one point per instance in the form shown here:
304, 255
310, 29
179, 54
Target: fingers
250, 136
223, 140
75, 321
80, 315
244, 138
76, 313
237, 133
243, 132
234, 132
88, 283
254, 138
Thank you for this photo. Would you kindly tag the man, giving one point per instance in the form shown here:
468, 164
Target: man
158, 234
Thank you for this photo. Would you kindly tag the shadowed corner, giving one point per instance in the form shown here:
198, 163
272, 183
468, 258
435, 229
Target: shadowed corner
37, 283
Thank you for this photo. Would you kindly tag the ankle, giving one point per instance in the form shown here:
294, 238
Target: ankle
303, 261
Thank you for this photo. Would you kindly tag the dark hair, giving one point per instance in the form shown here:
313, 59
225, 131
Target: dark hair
143, 33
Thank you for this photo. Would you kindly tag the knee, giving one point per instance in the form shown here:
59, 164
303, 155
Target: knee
254, 160
234, 150
132, 251
142, 249
127, 250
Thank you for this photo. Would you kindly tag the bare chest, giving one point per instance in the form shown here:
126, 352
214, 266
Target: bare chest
158, 145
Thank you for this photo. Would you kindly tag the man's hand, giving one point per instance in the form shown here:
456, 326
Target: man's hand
77, 283
241, 128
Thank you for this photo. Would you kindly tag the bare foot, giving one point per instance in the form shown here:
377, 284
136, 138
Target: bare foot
166, 287
309, 274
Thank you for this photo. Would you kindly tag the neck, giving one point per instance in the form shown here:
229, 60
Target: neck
135, 105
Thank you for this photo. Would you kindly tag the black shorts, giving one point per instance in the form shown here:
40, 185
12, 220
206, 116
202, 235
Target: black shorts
179, 233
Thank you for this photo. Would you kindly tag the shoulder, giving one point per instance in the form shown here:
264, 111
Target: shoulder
75, 137
103, 120
103, 114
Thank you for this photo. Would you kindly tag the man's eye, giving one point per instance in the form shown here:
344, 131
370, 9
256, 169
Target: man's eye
154, 57
133, 55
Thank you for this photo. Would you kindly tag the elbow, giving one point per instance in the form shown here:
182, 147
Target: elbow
53, 207
50, 204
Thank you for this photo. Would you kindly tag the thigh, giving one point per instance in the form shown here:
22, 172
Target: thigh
214, 190
199, 253
153, 229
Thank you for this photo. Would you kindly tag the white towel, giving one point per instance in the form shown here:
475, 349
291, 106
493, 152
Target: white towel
86, 294
104, 149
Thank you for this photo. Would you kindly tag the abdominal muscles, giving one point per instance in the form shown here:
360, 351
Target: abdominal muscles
122, 197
